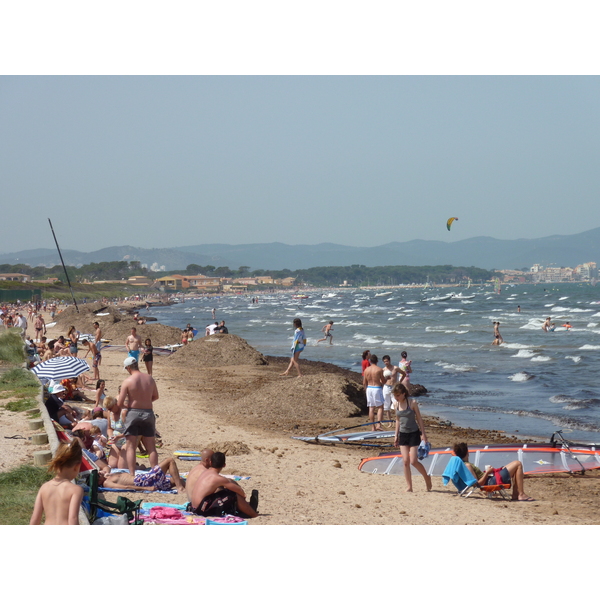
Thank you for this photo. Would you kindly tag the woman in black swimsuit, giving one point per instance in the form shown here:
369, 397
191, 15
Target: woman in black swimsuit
147, 356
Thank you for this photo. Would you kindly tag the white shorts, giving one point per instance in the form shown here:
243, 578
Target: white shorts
387, 397
374, 396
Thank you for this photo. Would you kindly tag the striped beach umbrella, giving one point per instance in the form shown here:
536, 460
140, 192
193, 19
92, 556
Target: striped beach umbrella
61, 367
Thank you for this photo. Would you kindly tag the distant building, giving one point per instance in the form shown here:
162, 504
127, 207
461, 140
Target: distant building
14, 277
174, 282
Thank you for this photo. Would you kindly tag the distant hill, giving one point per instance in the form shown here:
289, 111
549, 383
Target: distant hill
483, 252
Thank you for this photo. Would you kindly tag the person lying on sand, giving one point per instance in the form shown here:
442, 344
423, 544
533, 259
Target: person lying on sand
512, 472
154, 479
214, 495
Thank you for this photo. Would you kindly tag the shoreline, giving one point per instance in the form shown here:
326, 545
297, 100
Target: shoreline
244, 409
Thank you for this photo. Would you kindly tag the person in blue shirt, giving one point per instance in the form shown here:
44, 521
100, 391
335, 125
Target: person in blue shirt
298, 344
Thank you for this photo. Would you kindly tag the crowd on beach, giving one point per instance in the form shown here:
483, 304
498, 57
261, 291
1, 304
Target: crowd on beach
112, 429
109, 430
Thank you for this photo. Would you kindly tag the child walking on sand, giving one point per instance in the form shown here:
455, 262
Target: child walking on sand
59, 499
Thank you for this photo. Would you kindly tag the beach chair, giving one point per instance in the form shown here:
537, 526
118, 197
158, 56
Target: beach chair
122, 506
457, 472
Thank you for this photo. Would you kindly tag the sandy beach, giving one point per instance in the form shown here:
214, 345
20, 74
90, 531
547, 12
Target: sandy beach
215, 393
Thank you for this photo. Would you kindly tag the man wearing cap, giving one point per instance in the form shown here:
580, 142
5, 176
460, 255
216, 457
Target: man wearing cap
140, 391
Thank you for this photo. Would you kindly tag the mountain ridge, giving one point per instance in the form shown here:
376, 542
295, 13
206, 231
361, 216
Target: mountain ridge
481, 251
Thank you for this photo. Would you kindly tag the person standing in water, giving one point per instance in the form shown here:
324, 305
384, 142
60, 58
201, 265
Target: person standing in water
409, 433
298, 344
497, 337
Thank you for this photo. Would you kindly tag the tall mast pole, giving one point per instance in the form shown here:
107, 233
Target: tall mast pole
63, 265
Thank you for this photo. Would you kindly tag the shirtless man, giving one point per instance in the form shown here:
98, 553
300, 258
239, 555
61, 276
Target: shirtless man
214, 495
155, 479
205, 464
96, 357
133, 343
327, 331
141, 391
497, 337
373, 382
546, 325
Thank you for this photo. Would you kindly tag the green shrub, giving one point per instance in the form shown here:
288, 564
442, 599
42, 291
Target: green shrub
18, 489
12, 348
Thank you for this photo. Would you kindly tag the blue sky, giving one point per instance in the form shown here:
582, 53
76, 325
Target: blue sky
160, 161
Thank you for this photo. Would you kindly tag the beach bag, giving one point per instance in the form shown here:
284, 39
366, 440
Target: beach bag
423, 450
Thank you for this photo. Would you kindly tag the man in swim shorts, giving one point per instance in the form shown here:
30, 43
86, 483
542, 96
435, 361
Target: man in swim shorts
214, 495
154, 479
327, 331
373, 382
141, 391
133, 343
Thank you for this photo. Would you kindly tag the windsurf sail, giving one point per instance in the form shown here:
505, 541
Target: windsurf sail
536, 459
361, 438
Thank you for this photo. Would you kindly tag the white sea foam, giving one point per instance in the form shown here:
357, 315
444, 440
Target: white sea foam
596, 314
560, 309
548, 305
563, 298
452, 310
533, 324
515, 346
589, 347
452, 367
592, 324
541, 358
522, 376
524, 354
575, 359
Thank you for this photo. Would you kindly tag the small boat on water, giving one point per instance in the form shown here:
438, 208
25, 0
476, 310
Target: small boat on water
438, 298
300, 297
462, 297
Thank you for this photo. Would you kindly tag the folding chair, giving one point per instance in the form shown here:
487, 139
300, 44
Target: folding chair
497, 489
122, 506
457, 472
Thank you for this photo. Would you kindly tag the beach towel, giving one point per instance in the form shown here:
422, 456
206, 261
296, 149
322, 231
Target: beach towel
457, 472
147, 506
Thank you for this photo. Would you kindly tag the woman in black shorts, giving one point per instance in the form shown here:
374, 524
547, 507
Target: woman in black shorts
409, 433
147, 357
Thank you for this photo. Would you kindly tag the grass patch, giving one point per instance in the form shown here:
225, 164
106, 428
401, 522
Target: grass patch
18, 489
12, 349
21, 385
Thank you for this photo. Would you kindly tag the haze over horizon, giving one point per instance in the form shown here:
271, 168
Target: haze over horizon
159, 162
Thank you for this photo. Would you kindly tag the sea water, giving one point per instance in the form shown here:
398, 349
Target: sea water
531, 385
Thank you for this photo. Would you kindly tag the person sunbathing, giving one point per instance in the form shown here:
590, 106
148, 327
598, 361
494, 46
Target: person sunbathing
152, 480
59, 499
201, 467
214, 495
511, 473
